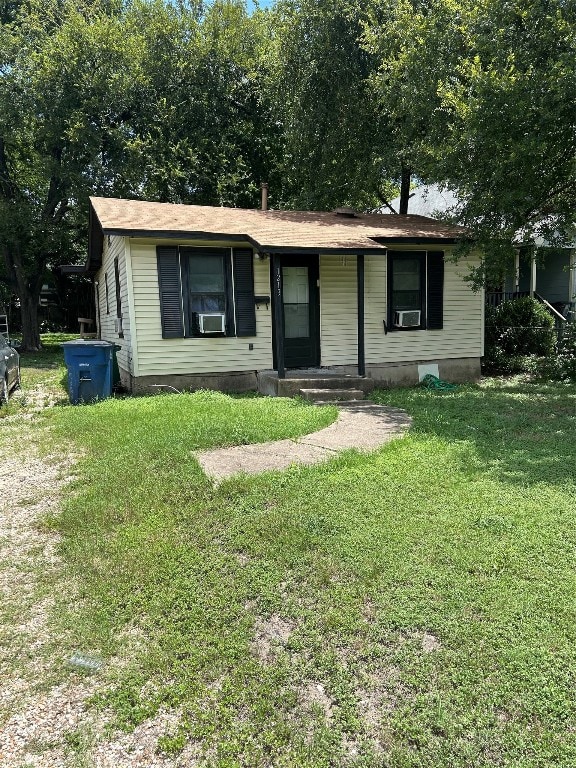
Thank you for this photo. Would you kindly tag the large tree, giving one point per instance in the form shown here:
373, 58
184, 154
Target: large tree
67, 75
483, 94
336, 135
205, 131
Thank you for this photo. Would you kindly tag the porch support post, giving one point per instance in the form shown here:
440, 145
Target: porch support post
360, 285
278, 314
532, 272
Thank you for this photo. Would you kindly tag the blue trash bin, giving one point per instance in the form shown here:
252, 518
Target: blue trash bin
89, 364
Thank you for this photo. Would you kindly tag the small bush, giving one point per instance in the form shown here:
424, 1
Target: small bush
517, 331
563, 364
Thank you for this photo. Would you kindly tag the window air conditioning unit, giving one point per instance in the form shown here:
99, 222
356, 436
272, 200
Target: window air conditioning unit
212, 322
118, 325
407, 318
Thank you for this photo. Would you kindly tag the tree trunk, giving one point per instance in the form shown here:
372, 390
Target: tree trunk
405, 189
30, 330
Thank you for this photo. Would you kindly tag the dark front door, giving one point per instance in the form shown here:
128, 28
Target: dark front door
301, 305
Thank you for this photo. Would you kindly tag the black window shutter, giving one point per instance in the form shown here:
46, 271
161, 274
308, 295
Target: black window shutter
244, 292
170, 285
435, 315
118, 289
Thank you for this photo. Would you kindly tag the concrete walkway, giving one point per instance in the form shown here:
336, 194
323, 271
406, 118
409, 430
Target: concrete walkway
363, 426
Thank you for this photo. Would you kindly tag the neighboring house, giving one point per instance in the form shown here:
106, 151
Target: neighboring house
540, 269
199, 296
544, 271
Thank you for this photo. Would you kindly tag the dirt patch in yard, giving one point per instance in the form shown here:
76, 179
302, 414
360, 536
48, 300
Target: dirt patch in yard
269, 636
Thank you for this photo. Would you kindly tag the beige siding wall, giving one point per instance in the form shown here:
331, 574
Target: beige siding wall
338, 310
114, 247
144, 352
462, 335
199, 355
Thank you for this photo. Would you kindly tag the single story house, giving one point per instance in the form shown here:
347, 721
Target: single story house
199, 296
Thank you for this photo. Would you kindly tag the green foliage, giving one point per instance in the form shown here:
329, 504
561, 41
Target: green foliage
146, 99
331, 102
67, 77
516, 329
563, 364
334, 132
480, 95
204, 131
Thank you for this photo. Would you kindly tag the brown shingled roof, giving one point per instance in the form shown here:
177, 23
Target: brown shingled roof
270, 230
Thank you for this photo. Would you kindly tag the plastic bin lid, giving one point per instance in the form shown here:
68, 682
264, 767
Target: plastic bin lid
87, 343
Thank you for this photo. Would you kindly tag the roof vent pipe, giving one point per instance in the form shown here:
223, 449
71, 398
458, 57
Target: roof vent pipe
264, 187
348, 213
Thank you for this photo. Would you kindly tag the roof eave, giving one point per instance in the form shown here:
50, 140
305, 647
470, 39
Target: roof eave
180, 234
430, 240
379, 247
95, 241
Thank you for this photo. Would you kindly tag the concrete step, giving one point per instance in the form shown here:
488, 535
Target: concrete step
320, 378
329, 382
346, 403
323, 395
336, 382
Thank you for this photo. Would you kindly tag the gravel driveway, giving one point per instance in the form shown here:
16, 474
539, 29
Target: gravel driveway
44, 720
34, 714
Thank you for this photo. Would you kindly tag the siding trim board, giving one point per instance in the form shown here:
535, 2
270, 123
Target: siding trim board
133, 352
161, 234
118, 296
116, 252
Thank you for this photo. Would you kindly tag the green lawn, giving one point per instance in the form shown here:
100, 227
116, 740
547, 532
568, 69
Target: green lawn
414, 607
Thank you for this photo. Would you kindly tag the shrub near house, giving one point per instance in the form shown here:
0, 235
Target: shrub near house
515, 330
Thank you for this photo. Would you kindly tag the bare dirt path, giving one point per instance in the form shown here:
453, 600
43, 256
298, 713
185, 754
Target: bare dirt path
35, 713
44, 718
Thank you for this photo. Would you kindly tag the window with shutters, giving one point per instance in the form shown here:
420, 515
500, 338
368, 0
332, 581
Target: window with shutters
200, 285
207, 291
415, 290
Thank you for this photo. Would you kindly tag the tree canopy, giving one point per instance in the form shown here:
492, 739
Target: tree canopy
487, 90
147, 100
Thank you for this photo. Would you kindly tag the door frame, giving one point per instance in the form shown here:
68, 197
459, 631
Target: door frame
311, 261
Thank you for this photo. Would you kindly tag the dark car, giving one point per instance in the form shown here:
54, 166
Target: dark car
9, 369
